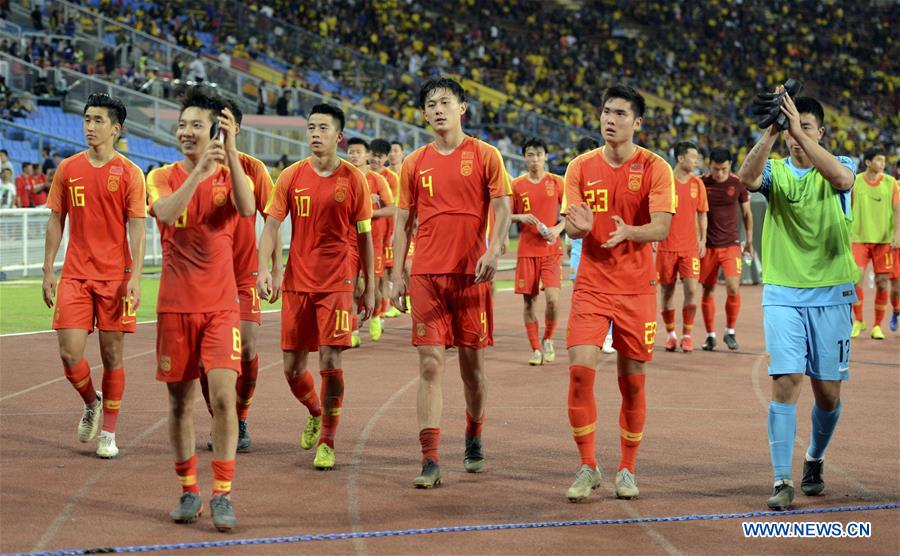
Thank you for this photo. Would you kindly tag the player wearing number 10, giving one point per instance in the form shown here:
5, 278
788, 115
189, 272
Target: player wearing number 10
197, 203
619, 198
327, 199
99, 191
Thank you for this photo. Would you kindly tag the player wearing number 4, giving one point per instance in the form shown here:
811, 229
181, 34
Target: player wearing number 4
619, 198
536, 207
100, 192
449, 185
328, 201
197, 203
808, 274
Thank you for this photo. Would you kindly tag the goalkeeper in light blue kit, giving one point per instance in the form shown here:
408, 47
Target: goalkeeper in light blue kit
808, 274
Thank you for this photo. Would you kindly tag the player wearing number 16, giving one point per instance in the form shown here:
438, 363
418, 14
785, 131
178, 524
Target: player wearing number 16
99, 191
619, 198
328, 201
198, 202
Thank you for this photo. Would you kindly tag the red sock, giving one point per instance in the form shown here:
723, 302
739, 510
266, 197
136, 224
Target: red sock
708, 307
204, 389
531, 328
223, 473
383, 307
688, 312
583, 412
246, 385
881, 304
549, 328
304, 389
858, 306
80, 377
113, 388
332, 401
732, 309
430, 439
473, 427
354, 321
631, 418
187, 474
895, 298
668, 316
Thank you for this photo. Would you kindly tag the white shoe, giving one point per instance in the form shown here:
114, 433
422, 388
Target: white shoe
537, 357
90, 420
549, 352
626, 487
106, 447
607, 345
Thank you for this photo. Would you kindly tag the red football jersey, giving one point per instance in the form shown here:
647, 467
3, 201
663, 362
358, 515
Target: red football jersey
394, 183
642, 185
378, 185
323, 212
245, 248
541, 199
98, 203
690, 199
450, 195
198, 261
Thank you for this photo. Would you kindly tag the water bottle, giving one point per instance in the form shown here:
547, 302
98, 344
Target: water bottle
543, 229
748, 259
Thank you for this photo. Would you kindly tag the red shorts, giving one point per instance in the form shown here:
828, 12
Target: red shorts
634, 317
670, 265
538, 273
82, 303
184, 341
895, 269
880, 254
250, 308
451, 310
310, 320
389, 246
729, 258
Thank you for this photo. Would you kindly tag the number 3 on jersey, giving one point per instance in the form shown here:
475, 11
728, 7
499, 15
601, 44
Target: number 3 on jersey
526, 203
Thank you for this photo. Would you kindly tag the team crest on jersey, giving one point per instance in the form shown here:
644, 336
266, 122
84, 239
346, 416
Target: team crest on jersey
550, 191
116, 171
112, 183
634, 181
521, 283
730, 191
165, 364
340, 191
219, 196
466, 166
420, 329
693, 191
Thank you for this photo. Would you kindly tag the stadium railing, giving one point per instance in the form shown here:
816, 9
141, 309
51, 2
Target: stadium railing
236, 83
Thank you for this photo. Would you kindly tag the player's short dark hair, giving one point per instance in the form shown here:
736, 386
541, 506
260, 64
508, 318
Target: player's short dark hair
357, 141
441, 83
4, 151
809, 105
636, 99
535, 143
398, 143
330, 110
719, 155
235, 109
24, 164
873, 152
115, 109
380, 146
683, 147
200, 96
586, 144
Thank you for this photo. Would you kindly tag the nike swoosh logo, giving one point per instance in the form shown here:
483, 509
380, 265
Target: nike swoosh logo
336, 335
593, 182
876, 199
793, 202
73, 180
483, 338
298, 190
425, 171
